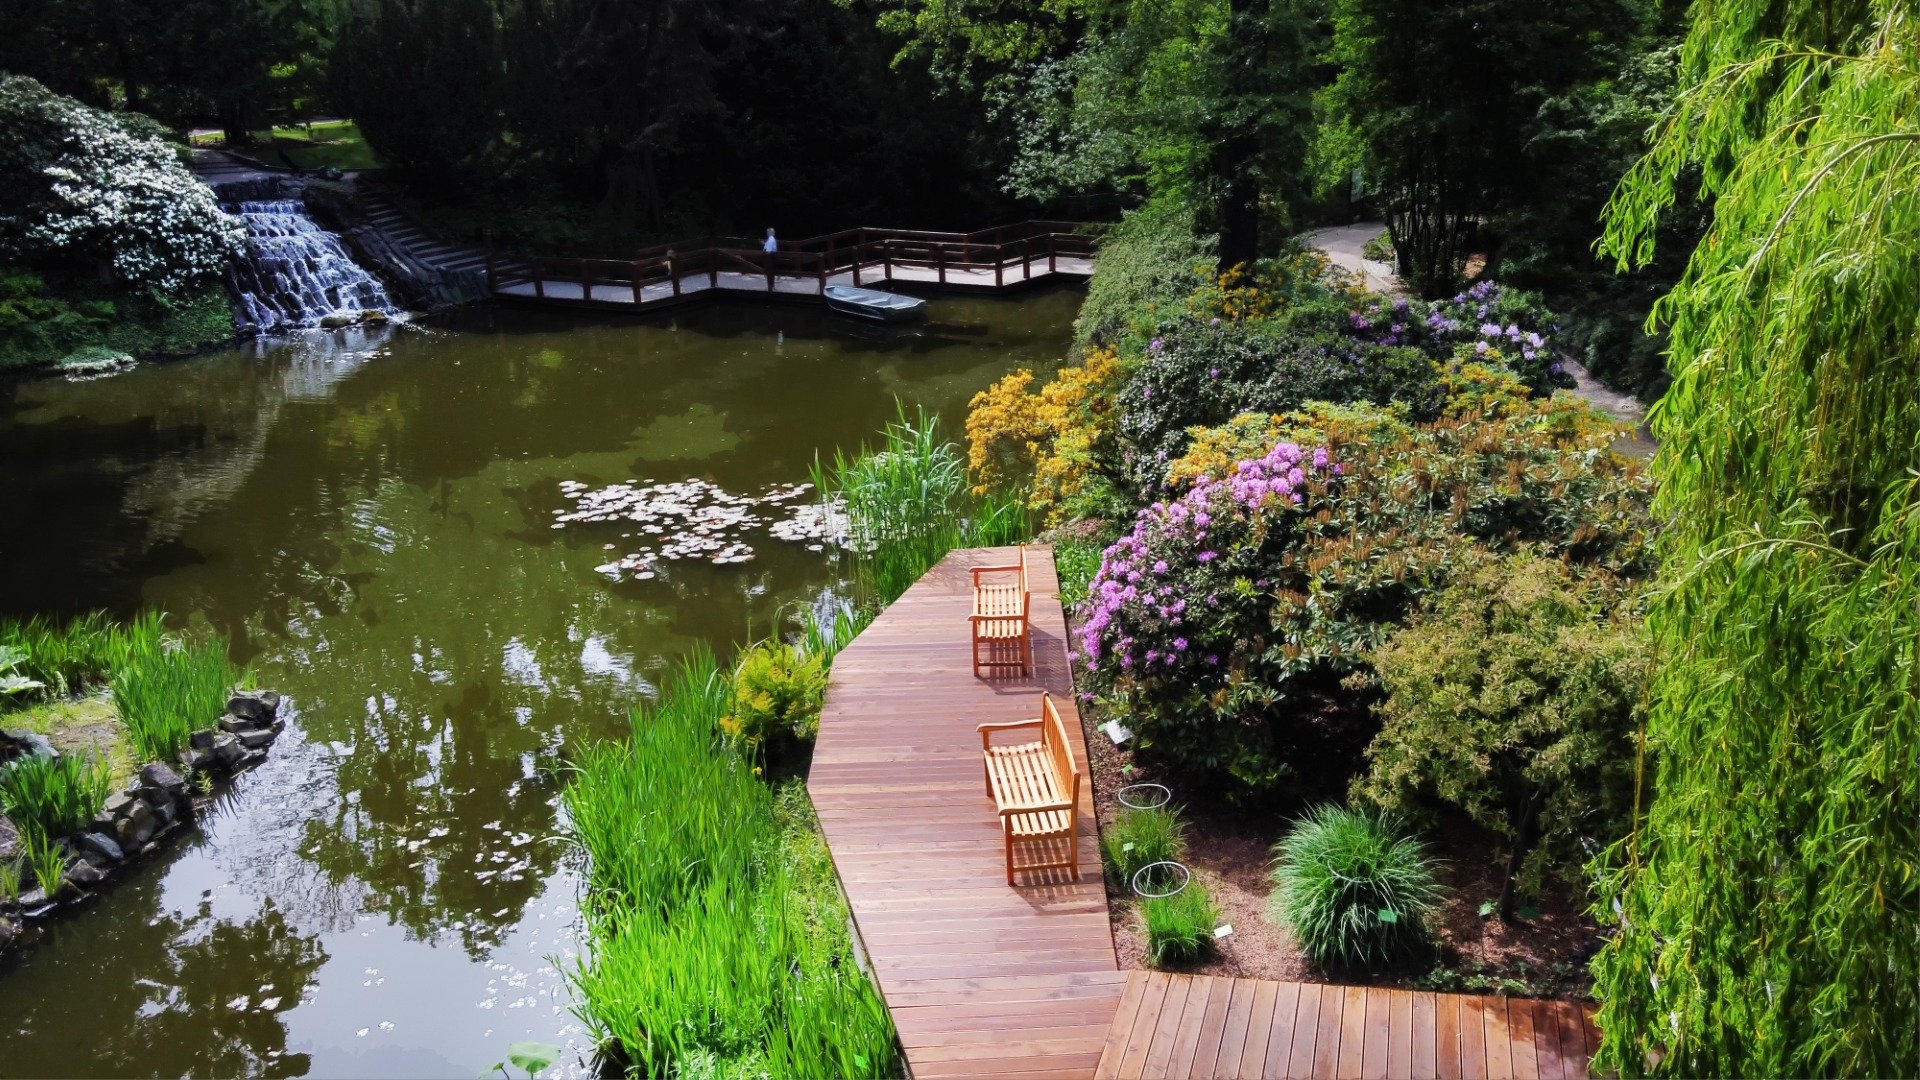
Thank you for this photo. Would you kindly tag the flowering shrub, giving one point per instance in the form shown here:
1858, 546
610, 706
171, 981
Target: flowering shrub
1495, 324
1168, 618
1054, 444
1240, 602
77, 184
1272, 287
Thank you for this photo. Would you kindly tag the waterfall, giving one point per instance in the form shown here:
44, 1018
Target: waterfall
295, 273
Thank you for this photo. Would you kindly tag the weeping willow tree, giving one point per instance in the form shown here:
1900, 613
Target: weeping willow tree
1766, 901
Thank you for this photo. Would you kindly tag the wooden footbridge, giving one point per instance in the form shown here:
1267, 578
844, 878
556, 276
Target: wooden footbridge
991, 260
987, 980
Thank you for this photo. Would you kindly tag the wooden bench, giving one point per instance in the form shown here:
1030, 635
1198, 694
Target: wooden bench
1002, 622
1036, 786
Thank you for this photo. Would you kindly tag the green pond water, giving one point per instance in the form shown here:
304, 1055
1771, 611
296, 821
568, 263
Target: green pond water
371, 519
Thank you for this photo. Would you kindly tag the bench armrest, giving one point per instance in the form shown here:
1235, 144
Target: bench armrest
987, 730
978, 570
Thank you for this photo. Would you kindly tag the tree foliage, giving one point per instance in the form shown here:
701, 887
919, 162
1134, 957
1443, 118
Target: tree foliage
1436, 104
1513, 696
1769, 900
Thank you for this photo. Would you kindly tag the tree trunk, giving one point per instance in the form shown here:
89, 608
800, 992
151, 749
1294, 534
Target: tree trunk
1234, 158
1526, 826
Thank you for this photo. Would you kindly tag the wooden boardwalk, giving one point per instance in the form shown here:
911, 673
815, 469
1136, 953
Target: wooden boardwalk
981, 978
991, 260
1202, 1026
987, 980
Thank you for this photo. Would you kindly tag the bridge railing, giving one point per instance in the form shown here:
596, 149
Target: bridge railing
657, 274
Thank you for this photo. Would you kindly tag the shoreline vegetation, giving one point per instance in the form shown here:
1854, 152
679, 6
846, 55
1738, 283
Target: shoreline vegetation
108, 732
718, 940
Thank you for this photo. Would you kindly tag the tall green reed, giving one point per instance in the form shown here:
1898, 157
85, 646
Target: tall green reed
165, 690
53, 796
74, 657
700, 946
907, 505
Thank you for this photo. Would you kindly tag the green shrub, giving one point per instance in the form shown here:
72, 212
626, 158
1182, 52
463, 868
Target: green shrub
1515, 695
53, 796
1149, 263
1076, 559
10, 872
45, 319
166, 690
1353, 889
776, 696
1138, 838
1180, 927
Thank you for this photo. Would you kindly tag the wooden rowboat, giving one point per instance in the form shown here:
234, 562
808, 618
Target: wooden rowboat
874, 304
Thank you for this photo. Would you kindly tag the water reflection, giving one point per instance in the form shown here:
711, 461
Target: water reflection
369, 518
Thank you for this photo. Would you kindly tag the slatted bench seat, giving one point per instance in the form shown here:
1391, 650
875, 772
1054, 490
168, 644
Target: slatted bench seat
1036, 787
1002, 618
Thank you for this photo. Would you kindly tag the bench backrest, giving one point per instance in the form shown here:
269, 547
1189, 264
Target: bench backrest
1053, 732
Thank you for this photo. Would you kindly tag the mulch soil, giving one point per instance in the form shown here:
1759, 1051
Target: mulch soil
1229, 849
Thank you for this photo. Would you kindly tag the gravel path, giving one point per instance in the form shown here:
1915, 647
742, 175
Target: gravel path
1344, 245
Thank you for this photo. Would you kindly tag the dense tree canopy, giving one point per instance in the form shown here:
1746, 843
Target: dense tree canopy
1769, 901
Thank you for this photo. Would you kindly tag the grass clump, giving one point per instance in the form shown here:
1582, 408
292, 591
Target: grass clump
46, 860
1180, 927
74, 657
166, 690
907, 505
1139, 838
717, 936
1353, 889
49, 797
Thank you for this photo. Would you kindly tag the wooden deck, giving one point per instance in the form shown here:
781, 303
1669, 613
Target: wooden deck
1013, 256
1201, 1026
981, 978
986, 980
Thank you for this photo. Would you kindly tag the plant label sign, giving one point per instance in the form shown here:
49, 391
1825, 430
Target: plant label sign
1116, 731
1224, 930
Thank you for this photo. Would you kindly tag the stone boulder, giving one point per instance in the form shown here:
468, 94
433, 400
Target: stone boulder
258, 707
11, 847
227, 748
100, 844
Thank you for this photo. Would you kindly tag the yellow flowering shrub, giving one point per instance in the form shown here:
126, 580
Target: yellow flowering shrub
1047, 443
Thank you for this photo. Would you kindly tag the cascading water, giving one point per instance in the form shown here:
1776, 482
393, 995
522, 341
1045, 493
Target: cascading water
296, 275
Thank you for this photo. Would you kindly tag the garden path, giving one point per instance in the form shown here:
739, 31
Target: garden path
983, 979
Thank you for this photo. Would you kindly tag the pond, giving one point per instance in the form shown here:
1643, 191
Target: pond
388, 525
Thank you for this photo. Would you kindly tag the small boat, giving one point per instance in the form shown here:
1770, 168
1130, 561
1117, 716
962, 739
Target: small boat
874, 304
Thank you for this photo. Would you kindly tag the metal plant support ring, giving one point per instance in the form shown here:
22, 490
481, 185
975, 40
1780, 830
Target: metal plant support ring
1148, 802
1185, 875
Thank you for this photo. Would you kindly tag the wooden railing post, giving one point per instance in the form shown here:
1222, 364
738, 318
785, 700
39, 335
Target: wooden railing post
1026, 259
586, 281
767, 258
673, 272
1050, 252
713, 268
493, 270
539, 280
999, 258
886, 260
940, 261
859, 252
821, 268
636, 282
